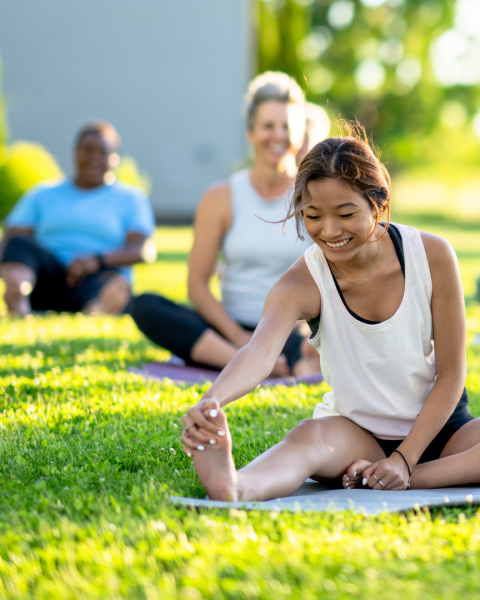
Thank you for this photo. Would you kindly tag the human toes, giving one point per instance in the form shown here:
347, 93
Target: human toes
356, 468
350, 483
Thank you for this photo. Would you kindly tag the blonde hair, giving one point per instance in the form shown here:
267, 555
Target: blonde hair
271, 85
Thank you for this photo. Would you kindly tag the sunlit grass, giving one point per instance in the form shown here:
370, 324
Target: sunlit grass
90, 454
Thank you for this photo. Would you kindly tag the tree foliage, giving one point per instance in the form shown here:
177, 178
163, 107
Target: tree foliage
389, 63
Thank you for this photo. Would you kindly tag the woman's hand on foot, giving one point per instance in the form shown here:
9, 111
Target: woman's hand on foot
201, 431
213, 461
353, 478
387, 474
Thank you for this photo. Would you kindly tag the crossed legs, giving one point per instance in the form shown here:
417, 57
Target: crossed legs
20, 280
321, 449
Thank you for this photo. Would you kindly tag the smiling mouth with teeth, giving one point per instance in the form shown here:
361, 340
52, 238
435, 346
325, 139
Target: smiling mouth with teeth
338, 244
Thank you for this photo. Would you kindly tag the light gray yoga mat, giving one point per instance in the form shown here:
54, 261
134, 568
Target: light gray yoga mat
319, 497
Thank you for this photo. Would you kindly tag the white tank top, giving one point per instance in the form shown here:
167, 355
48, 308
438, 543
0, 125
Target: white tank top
380, 374
256, 253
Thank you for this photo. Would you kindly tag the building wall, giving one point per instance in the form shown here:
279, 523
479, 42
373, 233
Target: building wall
169, 74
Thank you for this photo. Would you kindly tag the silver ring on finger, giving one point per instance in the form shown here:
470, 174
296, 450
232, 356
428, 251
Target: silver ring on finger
380, 482
376, 477
189, 427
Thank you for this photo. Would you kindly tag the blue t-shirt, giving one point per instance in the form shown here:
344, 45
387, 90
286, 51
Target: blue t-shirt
71, 222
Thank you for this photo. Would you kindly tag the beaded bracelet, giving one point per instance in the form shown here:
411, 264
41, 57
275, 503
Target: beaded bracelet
408, 467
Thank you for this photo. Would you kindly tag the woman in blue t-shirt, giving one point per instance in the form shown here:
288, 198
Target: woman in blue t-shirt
69, 246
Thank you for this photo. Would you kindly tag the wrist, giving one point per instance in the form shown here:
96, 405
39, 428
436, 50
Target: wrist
101, 262
206, 397
408, 456
400, 454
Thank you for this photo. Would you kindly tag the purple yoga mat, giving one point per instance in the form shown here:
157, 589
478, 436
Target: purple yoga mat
184, 374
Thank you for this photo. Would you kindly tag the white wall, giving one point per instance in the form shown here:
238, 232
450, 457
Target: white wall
169, 74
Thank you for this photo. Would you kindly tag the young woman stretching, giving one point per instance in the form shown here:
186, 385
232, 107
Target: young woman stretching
376, 298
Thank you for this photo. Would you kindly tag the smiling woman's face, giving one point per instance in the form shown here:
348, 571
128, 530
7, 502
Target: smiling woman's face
338, 218
278, 131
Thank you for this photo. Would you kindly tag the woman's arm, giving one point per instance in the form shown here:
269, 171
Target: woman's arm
138, 248
295, 296
212, 222
449, 327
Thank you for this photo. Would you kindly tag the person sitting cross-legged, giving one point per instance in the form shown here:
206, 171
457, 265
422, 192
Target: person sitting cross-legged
377, 296
69, 246
237, 218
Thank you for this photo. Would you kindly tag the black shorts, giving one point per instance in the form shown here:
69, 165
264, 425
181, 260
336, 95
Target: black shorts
177, 328
459, 417
51, 291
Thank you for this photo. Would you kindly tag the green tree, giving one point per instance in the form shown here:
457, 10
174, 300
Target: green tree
381, 61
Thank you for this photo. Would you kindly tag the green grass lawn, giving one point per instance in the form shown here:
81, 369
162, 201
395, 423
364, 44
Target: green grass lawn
90, 455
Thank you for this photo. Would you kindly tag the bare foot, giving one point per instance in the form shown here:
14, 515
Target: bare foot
214, 463
113, 298
353, 476
16, 294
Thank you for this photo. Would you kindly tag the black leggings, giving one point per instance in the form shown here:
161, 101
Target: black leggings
178, 329
51, 291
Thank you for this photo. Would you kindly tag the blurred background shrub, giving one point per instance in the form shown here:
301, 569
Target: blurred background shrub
128, 172
22, 165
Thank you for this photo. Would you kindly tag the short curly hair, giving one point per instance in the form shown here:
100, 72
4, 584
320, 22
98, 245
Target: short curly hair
103, 128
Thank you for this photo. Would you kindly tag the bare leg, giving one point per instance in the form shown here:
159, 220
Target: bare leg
112, 299
19, 283
212, 349
322, 448
309, 364
459, 463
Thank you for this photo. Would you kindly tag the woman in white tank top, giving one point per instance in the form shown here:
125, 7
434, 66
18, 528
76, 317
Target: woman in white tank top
377, 298
235, 217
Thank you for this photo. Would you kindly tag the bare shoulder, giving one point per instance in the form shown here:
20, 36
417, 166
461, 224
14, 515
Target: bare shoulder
217, 196
297, 287
440, 253
216, 205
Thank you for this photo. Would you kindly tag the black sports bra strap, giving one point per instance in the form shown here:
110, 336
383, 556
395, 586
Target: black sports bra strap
398, 245
397, 241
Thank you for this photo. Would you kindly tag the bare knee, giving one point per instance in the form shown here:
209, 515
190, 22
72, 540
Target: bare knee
16, 272
308, 431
